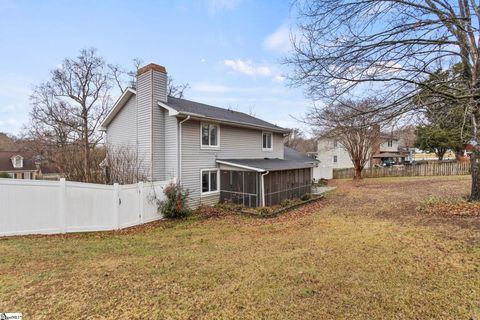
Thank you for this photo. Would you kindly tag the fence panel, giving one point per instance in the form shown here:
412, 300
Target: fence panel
29, 207
427, 169
48, 207
129, 209
89, 207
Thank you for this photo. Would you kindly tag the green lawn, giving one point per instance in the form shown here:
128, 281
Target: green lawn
364, 252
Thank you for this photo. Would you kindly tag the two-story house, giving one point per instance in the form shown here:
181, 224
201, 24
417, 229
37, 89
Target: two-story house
217, 154
333, 155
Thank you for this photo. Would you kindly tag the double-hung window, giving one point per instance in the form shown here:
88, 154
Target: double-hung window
267, 141
335, 159
210, 180
390, 143
210, 135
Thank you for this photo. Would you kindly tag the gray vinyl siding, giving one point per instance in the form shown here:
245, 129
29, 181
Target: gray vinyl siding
122, 131
144, 121
159, 83
235, 142
210, 200
160, 86
171, 147
158, 139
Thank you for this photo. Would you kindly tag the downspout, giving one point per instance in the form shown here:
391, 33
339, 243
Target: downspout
179, 153
262, 187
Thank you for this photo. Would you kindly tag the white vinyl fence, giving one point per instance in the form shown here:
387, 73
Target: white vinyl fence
48, 207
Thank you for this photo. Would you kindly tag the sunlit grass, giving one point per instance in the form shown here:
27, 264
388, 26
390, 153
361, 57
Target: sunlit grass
366, 253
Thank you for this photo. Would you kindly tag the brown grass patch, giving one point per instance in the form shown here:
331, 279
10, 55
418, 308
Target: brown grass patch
364, 252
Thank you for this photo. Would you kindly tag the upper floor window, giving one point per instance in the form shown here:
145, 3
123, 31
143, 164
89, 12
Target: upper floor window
267, 141
335, 159
335, 143
390, 143
210, 135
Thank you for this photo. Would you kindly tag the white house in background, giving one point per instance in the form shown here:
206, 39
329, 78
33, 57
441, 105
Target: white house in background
333, 155
217, 154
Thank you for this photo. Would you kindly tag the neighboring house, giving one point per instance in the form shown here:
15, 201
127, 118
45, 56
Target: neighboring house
217, 154
389, 151
332, 155
17, 166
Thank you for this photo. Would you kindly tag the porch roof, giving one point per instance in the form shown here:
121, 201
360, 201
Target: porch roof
389, 155
263, 165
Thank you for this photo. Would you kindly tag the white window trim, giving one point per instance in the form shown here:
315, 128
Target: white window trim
204, 147
218, 182
271, 142
20, 158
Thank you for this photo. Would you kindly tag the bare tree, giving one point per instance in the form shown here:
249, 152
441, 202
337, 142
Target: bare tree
123, 165
350, 124
298, 141
389, 48
68, 109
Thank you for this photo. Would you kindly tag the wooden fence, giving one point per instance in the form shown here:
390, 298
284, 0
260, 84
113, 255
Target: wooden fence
426, 169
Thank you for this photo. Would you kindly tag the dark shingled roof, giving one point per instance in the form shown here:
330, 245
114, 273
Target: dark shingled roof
291, 154
269, 164
204, 110
6, 162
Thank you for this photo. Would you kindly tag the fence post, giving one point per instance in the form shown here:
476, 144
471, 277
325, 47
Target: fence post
141, 194
62, 214
116, 205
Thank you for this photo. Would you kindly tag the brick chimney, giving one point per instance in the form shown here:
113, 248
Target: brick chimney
151, 89
153, 77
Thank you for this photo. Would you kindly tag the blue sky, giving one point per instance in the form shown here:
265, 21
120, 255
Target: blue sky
229, 51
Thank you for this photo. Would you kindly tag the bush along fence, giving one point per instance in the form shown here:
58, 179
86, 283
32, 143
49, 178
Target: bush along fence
425, 169
49, 207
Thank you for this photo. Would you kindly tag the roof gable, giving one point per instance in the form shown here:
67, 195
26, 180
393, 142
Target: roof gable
126, 95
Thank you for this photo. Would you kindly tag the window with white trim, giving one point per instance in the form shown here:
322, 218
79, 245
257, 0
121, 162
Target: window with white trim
18, 162
27, 175
210, 135
267, 141
390, 143
335, 143
210, 180
335, 159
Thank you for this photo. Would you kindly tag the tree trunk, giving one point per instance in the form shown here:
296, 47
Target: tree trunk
86, 147
357, 174
475, 167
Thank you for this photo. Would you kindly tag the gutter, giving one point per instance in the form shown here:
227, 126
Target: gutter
179, 149
262, 187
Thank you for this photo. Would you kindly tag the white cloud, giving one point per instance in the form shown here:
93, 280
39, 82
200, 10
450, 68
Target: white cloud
217, 6
248, 68
279, 40
203, 60
278, 78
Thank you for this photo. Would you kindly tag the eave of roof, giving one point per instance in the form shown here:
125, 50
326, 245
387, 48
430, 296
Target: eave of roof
263, 165
233, 123
117, 107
